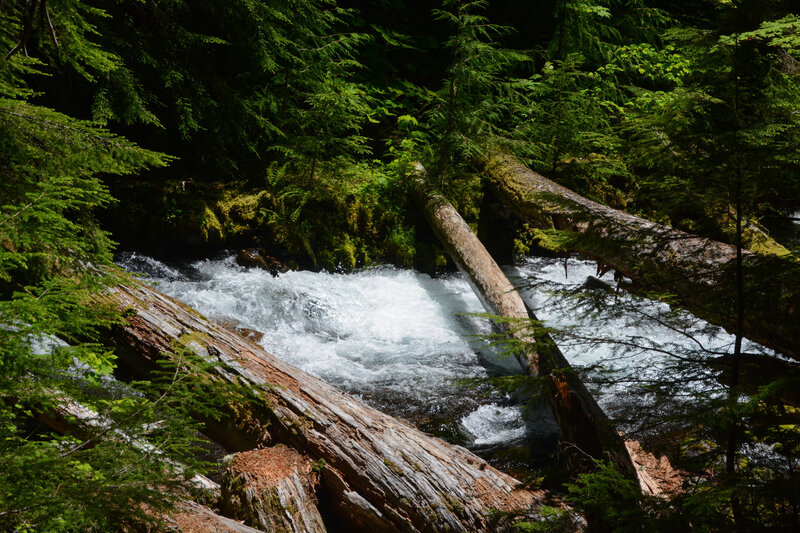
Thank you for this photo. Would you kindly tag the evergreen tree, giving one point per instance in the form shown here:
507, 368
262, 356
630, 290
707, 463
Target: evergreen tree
469, 110
55, 261
569, 129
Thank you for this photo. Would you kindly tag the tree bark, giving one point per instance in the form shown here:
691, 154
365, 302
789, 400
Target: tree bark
699, 271
586, 431
379, 473
273, 489
195, 518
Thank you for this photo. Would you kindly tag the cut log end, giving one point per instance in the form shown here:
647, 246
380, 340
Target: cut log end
273, 489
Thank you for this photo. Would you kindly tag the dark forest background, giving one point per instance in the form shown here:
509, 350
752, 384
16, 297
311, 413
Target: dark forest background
180, 127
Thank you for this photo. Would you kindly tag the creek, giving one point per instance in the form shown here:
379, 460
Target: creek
411, 345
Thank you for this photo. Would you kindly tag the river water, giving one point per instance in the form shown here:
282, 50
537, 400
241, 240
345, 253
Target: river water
410, 344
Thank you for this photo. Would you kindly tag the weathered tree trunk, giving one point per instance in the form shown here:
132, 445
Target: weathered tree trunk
272, 489
585, 428
698, 270
379, 473
195, 518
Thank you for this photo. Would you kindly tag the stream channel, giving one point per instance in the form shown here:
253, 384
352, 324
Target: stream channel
411, 346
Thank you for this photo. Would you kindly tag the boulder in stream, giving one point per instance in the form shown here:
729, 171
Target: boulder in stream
258, 258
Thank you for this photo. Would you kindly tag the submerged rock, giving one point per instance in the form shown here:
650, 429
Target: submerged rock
593, 283
257, 258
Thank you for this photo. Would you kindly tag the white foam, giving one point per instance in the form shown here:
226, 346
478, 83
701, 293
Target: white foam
403, 340
492, 424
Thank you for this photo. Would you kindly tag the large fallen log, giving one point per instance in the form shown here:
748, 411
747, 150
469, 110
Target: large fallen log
756, 371
699, 271
586, 431
377, 473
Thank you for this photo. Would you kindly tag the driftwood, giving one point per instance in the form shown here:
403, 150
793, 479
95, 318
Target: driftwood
699, 271
377, 473
585, 428
272, 489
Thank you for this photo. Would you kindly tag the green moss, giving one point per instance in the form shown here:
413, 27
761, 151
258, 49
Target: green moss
242, 207
400, 243
345, 254
554, 240
210, 227
760, 242
393, 467
318, 465
239, 214
452, 504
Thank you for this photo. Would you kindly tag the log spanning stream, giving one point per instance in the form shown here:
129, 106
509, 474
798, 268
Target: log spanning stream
406, 343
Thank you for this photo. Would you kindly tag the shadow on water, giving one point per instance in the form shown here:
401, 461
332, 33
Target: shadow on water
786, 230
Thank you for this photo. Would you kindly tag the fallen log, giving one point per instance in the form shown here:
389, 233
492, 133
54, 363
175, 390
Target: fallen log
190, 516
585, 428
377, 473
699, 271
755, 372
273, 489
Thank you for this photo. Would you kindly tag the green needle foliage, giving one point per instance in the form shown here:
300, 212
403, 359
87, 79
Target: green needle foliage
289, 124
469, 110
135, 459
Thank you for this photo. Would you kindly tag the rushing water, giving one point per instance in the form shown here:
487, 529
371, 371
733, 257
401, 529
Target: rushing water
407, 343
402, 341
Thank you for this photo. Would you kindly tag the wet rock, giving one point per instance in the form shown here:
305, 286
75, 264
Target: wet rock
593, 283
251, 258
258, 258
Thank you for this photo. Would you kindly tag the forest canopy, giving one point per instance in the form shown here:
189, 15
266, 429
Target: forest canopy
289, 125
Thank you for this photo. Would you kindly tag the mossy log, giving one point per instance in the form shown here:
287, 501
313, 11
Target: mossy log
377, 472
586, 431
700, 272
273, 489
